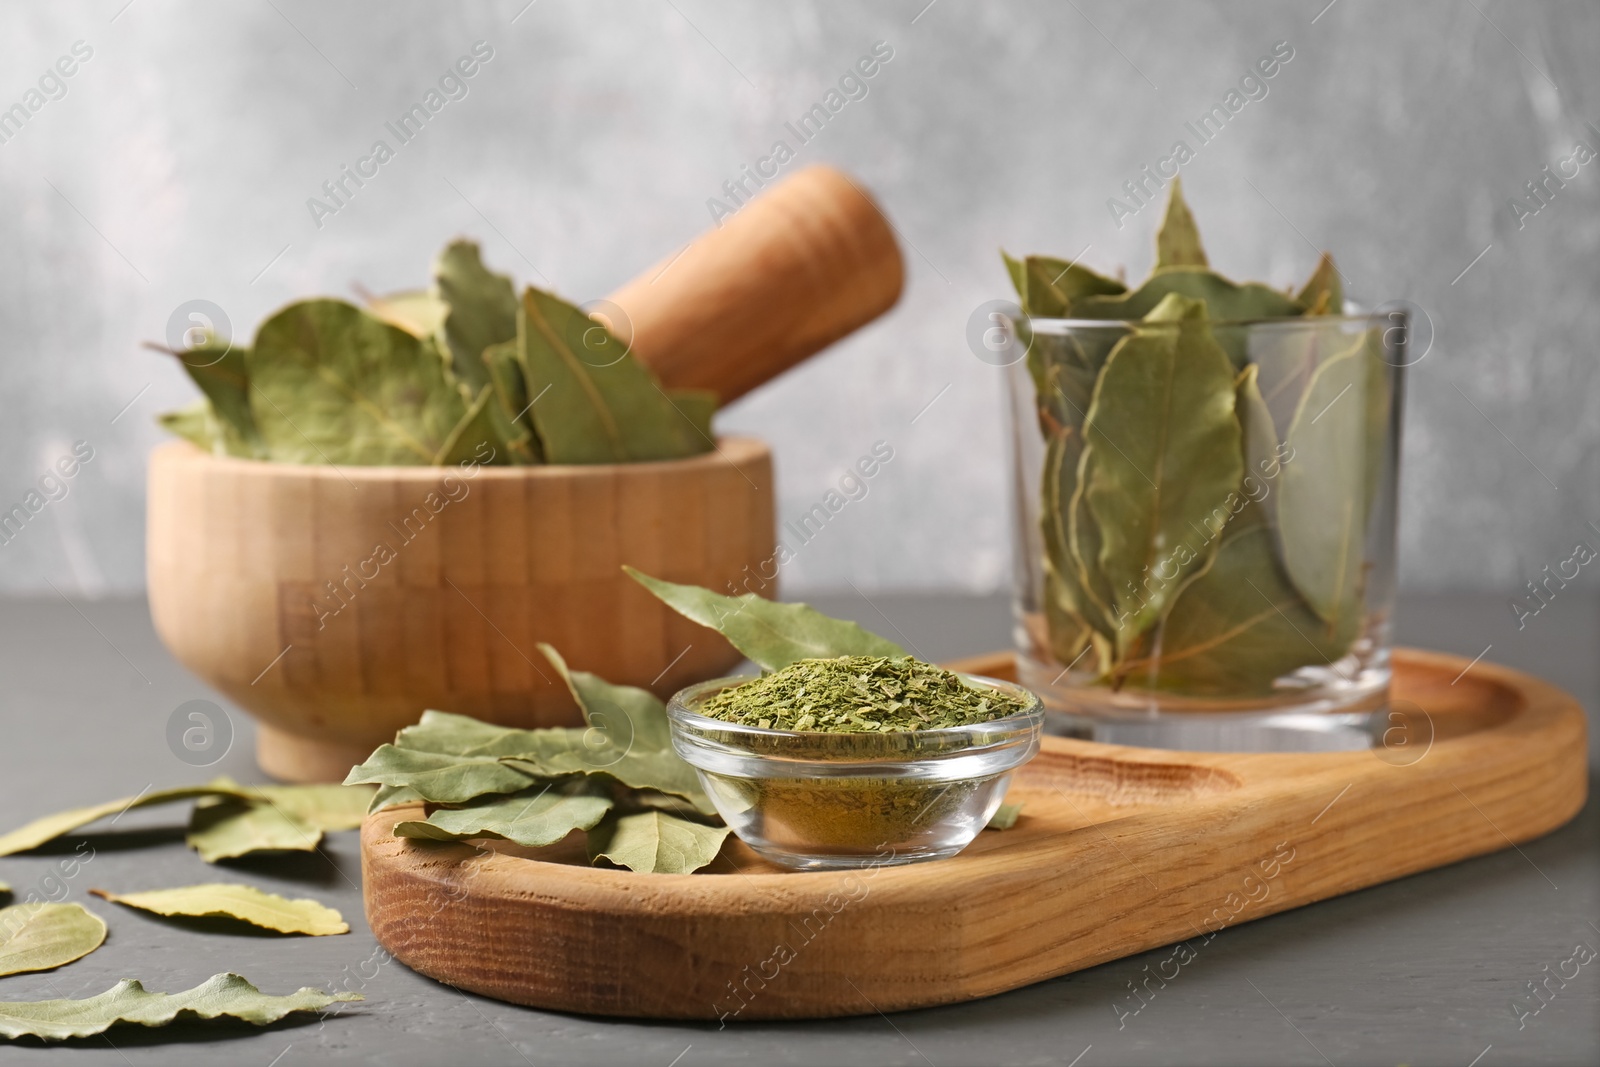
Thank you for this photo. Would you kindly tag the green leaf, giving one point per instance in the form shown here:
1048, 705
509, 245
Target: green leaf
438, 778
39, 937
227, 900
331, 383
603, 405
1161, 454
513, 421
1074, 612
482, 310
129, 1002
1178, 240
389, 796
771, 634
533, 818
197, 424
478, 435
1005, 816
628, 715
417, 311
1238, 624
1260, 437
51, 827
281, 817
1225, 301
221, 372
698, 406
461, 735
1323, 293
656, 842
1322, 492
1049, 288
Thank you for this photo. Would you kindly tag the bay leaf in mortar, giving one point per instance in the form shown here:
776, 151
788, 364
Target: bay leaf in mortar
1178, 240
771, 634
656, 842
417, 311
1322, 492
1047, 287
1161, 453
221, 995
197, 424
41, 936
603, 405
481, 310
698, 407
513, 416
533, 818
222, 373
330, 383
1225, 301
227, 900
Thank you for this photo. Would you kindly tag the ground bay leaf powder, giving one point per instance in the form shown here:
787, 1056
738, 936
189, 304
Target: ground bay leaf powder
859, 694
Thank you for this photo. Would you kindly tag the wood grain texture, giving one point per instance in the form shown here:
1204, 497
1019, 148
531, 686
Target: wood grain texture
249, 559
805, 262
1118, 850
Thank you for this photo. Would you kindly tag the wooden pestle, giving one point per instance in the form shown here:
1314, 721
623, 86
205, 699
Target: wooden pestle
802, 264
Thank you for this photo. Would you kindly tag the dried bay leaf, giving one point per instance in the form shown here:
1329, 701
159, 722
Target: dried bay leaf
628, 715
481, 310
440, 778
534, 818
479, 435
1178, 240
1323, 293
50, 827
129, 1002
1076, 613
1161, 453
1047, 287
229, 900
1260, 439
221, 371
1225, 301
330, 383
512, 420
41, 936
1005, 816
275, 817
698, 407
1322, 492
197, 424
771, 634
656, 842
604, 406
417, 311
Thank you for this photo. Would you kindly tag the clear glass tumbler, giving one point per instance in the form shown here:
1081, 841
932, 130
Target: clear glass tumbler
1207, 526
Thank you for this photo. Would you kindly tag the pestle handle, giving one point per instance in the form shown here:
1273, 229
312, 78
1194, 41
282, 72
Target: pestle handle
805, 262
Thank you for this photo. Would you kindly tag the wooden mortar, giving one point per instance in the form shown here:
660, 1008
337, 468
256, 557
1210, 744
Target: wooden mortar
270, 582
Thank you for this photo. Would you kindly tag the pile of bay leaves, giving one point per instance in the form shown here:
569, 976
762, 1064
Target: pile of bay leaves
463, 371
618, 779
1212, 458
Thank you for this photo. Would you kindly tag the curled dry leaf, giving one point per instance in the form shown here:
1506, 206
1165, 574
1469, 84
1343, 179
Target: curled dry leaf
228, 900
41, 936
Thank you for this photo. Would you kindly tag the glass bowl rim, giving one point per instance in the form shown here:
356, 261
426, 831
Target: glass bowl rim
1027, 720
1370, 319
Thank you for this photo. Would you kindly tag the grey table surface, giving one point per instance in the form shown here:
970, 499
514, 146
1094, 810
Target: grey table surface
1423, 970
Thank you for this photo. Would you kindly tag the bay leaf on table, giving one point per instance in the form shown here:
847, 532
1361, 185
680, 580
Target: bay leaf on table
1238, 624
773, 635
229, 900
1178, 240
274, 818
1323, 292
1322, 491
627, 714
437, 777
221, 995
603, 406
481, 310
533, 818
50, 827
656, 842
43, 936
330, 383
1161, 455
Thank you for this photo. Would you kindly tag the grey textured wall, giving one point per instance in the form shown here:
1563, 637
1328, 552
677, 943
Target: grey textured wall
178, 164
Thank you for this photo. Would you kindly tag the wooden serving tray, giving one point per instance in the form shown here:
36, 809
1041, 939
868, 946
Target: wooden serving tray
1118, 850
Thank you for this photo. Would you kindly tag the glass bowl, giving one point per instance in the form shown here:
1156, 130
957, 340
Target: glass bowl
821, 801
